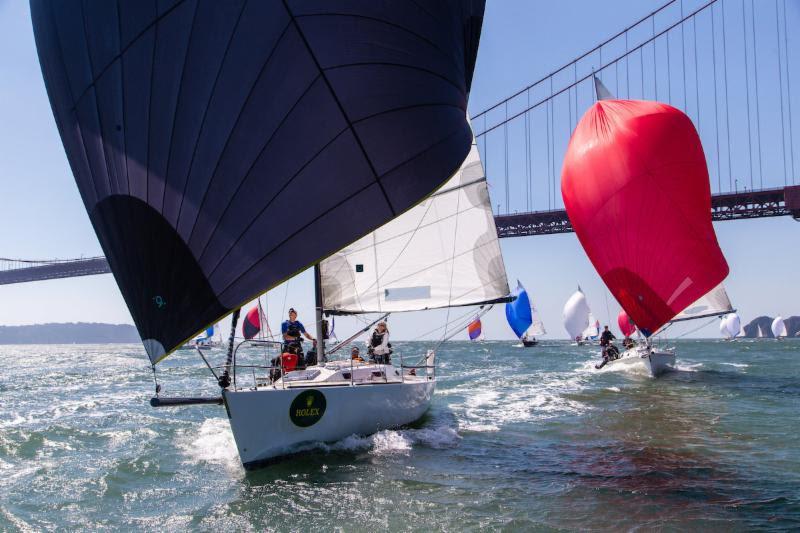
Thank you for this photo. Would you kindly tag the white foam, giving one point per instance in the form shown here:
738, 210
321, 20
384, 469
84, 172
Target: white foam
397, 441
211, 443
737, 365
613, 389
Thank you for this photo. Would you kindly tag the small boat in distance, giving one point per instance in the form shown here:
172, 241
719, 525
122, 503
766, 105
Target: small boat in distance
778, 327
523, 318
576, 316
760, 334
475, 330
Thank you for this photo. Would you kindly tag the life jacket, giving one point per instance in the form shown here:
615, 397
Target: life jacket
377, 339
288, 361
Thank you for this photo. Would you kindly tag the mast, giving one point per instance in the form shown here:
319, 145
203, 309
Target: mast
318, 304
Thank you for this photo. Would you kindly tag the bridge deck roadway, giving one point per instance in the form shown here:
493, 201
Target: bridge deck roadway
728, 206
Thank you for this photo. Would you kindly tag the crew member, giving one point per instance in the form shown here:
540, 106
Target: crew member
606, 337
378, 345
355, 354
292, 330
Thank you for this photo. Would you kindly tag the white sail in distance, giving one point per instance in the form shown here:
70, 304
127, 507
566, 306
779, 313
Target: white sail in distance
537, 326
778, 327
444, 252
714, 302
576, 314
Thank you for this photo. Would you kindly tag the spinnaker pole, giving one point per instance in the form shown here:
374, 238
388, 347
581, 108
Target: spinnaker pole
318, 317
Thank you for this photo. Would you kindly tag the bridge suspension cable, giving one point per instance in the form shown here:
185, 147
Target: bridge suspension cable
732, 84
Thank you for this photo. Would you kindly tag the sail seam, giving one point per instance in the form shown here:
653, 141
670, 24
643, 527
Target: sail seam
178, 105
96, 104
396, 65
382, 21
235, 125
211, 96
133, 41
341, 108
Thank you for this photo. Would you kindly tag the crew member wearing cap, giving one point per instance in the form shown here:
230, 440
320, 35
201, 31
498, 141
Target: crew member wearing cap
292, 329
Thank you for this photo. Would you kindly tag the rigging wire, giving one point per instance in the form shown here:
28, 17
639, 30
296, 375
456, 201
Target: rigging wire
780, 89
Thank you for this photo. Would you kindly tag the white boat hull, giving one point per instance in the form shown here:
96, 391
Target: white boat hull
656, 361
266, 422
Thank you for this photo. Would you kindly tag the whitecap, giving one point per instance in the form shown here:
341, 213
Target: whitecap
211, 443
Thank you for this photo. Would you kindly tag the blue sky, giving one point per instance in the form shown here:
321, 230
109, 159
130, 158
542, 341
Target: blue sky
42, 215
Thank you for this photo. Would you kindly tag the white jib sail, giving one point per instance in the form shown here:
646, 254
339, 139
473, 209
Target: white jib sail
576, 314
537, 326
443, 252
714, 302
778, 327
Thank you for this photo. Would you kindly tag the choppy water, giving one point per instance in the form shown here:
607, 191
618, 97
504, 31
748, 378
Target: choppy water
517, 439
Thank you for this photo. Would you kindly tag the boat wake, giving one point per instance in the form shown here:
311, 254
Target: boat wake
211, 443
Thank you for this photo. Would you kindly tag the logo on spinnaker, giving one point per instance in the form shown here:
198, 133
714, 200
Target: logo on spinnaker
307, 408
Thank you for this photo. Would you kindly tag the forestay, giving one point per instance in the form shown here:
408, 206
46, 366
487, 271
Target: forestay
222, 147
443, 252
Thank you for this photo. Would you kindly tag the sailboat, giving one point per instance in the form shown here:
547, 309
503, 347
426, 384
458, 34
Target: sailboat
730, 326
592, 332
576, 316
475, 330
523, 318
778, 327
760, 334
635, 170
310, 126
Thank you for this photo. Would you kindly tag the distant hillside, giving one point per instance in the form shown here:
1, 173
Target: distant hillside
69, 333
792, 326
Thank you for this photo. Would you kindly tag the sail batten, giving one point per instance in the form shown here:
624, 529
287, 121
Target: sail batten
221, 148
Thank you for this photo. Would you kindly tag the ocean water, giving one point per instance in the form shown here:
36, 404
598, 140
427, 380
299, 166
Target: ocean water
517, 439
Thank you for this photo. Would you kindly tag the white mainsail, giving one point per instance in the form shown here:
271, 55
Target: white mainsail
576, 314
760, 332
714, 302
444, 252
778, 327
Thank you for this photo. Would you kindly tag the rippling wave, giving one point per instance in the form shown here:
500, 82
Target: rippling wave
516, 439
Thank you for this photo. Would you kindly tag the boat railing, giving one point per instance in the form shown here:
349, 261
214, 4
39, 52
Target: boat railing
268, 349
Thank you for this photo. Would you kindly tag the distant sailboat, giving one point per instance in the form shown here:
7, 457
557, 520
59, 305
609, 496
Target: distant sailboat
778, 327
576, 316
474, 329
592, 332
636, 170
730, 326
760, 333
523, 317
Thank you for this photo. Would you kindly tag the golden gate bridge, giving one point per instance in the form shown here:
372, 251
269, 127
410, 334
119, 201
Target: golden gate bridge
735, 82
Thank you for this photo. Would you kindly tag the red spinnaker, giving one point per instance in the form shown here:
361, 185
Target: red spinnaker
636, 189
251, 324
626, 325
